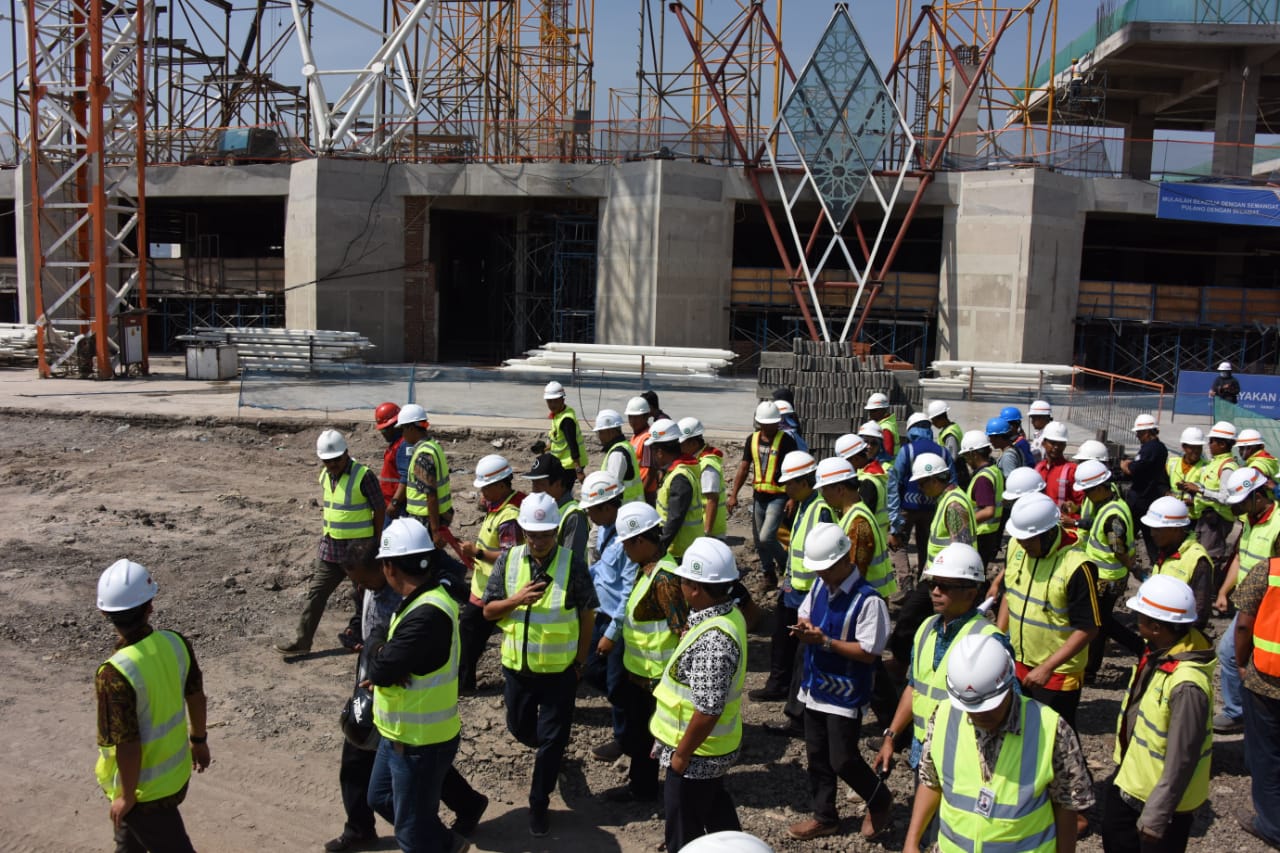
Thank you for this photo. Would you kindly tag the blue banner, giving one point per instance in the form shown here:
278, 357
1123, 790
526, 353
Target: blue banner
1224, 205
1259, 393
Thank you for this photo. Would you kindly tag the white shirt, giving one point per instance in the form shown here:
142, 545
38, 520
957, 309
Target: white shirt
871, 632
710, 481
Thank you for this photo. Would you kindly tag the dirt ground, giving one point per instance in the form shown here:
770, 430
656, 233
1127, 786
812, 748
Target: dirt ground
225, 517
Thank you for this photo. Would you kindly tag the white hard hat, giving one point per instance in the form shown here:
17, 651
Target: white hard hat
1144, 422
1167, 511
877, 401
1091, 448
412, 414
553, 391
849, 445
917, 418
1243, 483
1248, 438
1226, 365
539, 512
1041, 408
937, 407
980, 673
662, 431
1165, 599
796, 464
824, 545
1032, 515
1055, 431
403, 537
1091, 474
607, 419
637, 406
871, 429
1224, 430
767, 413
959, 562
707, 560
784, 408
492, 469
727, 842
330, 444
1022, 482
635, 518
599, 487
974, 439
1193, 436
124, 586
928, 465
690, 428
834, 470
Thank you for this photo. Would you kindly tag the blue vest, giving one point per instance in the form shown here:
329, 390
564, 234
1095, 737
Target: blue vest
828, 677
1024, 448
909, 494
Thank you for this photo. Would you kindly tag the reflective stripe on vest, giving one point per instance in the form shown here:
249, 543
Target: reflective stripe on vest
632, 489
806, 518
880, 573
1182, 563
426, 711
570, 509
939, 534
1020, 818
1097, 546
691, 526
890, 425
674, 700
953, 431
1176, 475
1213, 477
881, 484
415, 498
543, 636
488, 537
1037, 596
156, 667
996, 477
766, 474
1257, 542
559, 444
929, 684
1266, 626
347, 513
647, 646
708, 458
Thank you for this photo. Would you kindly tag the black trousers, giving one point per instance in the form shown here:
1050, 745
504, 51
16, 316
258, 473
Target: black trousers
918, 523
474, 632
540, 716
636, 705
1120, 828
917, 606
1110, 592
988, 546
154, 828
831, 743
782, 648
696, 807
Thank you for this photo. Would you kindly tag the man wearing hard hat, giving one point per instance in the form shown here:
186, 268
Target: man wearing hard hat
1253, 452
620, 458
151, 717
353, 512
428, 495
1214, 517
762, 455
1176, 552
877, 409
384, 420
1149, 471
1225, 386
1109, 543
564, 436
680, 493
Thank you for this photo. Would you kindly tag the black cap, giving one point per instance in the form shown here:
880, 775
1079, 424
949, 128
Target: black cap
545, 466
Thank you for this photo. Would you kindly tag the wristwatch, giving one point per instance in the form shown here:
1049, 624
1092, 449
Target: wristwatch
826, 644
199, 740
890, 734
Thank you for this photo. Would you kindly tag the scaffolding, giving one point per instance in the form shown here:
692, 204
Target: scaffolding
1159, 351
573, 278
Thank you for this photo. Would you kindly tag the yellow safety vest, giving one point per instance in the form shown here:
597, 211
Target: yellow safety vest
426, 711
647, 645
691, 526
891, 424
929, 683
1213, 477
708, 458
1266, 463
765, 474
801, 579
1181, 564
939, 534
996, 476
951, 430
674, 700
879, 574
1037, 595
559, 447
1019, 818
347, 513
1177, 476
1142, 763
543, 636
881, 484
488, 536
156, 667
1257, 542
570, 509
632, 489
1098, 547
415, 498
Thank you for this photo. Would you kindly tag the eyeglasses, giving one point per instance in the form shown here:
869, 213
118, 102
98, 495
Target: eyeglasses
943, 586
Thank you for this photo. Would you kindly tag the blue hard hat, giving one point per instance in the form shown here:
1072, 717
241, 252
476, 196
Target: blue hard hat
998, 426
1009, 413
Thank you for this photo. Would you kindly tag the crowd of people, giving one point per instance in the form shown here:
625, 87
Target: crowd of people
972, 659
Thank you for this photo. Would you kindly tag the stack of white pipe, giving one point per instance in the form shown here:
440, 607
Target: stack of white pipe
623, 360
260, 347
996, 377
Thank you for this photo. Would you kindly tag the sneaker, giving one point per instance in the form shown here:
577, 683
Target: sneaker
812, 828
350, 840
466, 823
609, 751
291, 649
539, 822
767, 694
1245, 818
1224, 725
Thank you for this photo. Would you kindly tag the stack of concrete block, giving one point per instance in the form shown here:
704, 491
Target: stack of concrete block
831, 387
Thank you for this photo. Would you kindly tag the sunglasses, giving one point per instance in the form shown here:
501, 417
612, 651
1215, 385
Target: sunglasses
943, 586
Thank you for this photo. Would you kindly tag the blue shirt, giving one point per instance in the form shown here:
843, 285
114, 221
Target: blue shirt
613, 575
903, 494
403, 453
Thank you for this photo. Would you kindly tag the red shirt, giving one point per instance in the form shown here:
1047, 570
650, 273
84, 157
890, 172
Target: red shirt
389, 479
1060, 481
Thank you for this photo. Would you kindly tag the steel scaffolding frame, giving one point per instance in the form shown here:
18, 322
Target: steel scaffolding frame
1159, 351
573, 277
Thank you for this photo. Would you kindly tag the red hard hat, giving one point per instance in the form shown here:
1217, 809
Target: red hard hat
386, 415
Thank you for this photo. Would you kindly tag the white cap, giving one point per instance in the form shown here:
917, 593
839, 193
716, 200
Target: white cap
784, 408
928, 465
974, 439
958, 561
796, 464
539, 512
637, 406
834, 470
877, 401
553, 391
849, 445
871, 429
707, 560
917, 418
728, 841
980, 673
607, 419
125, 585
824, 545
1193, 436
1224, 430
1022, 482
1243, 483
937, 407
599, 487
1032, 515
1144, 422
412, 414
331, 444
1226, 365
403, 537
662, 431
1090, 474
635, 518
1040, 408
1248, 438
1167, 511
767, 413
492, 469
1165, 599
689, 428
1091, 448
1055, 431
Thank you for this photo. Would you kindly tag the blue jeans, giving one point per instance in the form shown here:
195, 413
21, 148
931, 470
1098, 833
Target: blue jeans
1232, 689
606, 673
767, 515
1262, 759
405, 789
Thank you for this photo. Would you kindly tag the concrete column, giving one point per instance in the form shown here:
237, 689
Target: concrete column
1138, 146
965, 142
344, 262
665, 256
1010, 273
1236, 122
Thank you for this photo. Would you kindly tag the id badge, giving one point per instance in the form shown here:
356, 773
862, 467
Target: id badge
986, 802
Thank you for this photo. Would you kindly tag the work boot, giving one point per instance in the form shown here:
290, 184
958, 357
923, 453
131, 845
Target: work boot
465, 823
609, 751
767, 694
292, 649
1224, 725
352, 840
539, 821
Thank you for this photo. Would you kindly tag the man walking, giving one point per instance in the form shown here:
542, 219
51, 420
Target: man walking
1214, 517
1148, 470
762, 455
564, 436
715, 518
680, 494
619, 456
428, 496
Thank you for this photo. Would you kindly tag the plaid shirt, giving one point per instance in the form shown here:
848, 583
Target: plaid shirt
332, 550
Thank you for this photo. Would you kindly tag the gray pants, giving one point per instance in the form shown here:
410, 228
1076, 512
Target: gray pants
1213, 531
324, 580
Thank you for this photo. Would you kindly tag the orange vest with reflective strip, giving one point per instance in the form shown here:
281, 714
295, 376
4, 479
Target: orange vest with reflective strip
1266, 625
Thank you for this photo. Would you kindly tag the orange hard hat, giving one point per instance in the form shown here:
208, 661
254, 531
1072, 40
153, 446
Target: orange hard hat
386, 415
